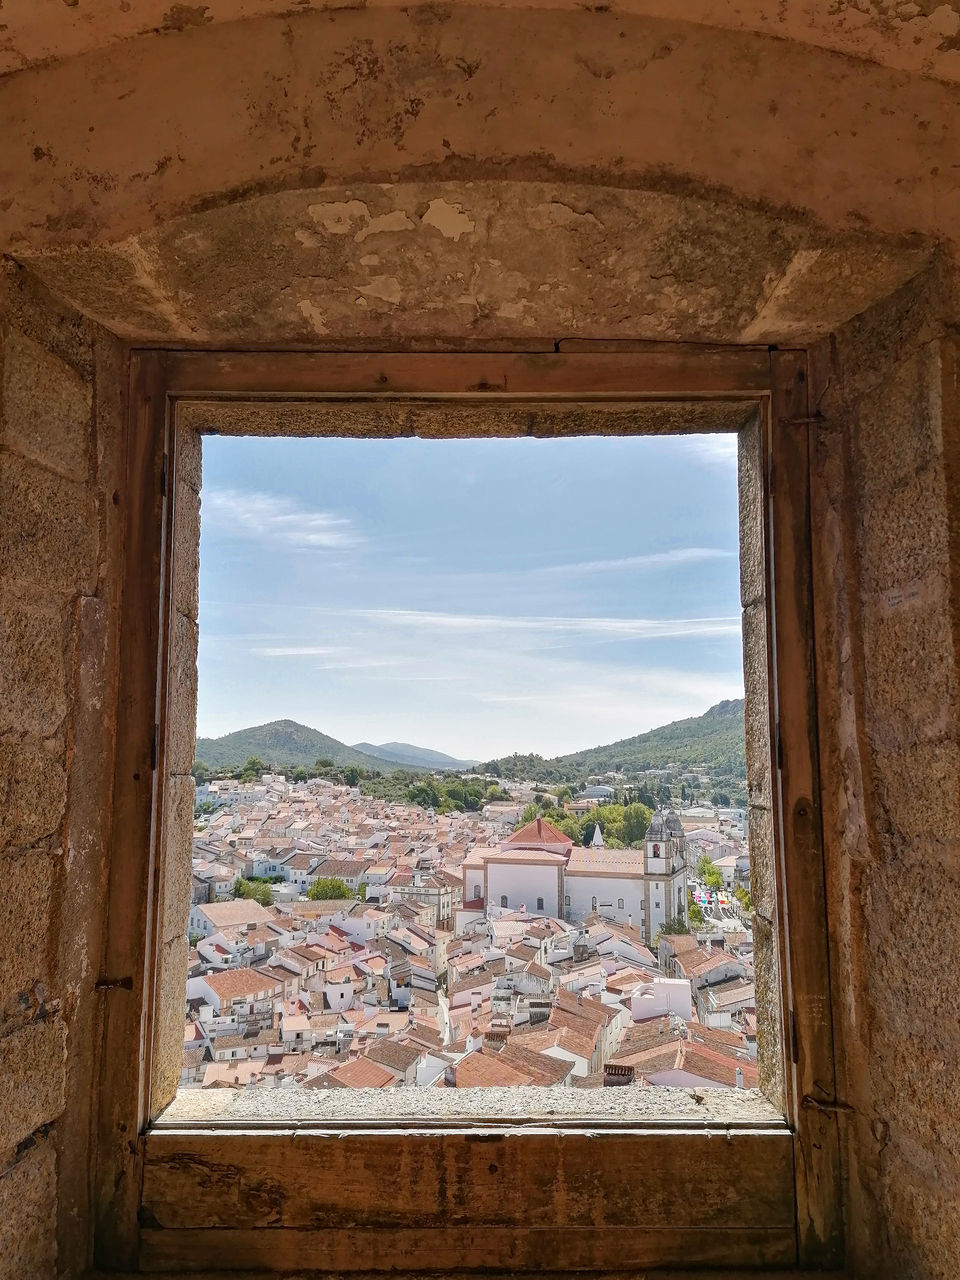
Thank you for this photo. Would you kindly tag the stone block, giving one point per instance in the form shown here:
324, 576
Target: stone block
186, 561
189, 457
112, 374
178, 862
750, 467
182, 723
906, 536
33, 793
168, 1028
908, 656
28, 1212
756, 705
33, 696
769, 1031
26, 909
763, 874
33, 1069
916, 788
46, 407
897, 425
41, 315
49, 531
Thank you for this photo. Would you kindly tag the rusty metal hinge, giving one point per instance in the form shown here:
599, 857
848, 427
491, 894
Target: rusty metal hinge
810, 1103
113, 984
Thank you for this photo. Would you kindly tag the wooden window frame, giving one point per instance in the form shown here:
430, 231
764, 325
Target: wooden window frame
469, 1195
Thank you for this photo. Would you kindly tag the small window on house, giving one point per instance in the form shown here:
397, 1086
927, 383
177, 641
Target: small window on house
593, 904
619, 904
476, 891
539, 904
503, 900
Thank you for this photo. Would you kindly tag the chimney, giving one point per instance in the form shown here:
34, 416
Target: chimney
739, 1077
539, 827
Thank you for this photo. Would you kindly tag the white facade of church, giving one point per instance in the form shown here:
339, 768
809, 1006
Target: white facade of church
538, 870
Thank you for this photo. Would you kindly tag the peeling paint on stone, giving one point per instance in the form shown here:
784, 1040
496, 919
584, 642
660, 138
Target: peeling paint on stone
449, 219
395, 221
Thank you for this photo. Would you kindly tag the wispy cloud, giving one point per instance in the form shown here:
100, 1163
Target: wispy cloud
276, 521
338, 658
628, 628
293, 651
715, 449
652, 560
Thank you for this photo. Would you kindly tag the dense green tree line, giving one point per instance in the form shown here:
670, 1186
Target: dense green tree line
622, 826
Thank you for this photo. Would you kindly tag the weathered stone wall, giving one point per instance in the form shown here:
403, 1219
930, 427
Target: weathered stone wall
181, 723
59, 459
884, 515
98, 156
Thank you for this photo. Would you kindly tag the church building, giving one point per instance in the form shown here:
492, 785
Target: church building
539, 870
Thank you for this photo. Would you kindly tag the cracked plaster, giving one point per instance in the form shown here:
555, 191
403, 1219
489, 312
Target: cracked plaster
408, 261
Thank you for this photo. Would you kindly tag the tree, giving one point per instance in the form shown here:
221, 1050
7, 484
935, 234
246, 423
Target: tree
254, 765
609, 818
708, 873
326, 887
299, 774
743, 897
351, 775
200, 771
570, 827
564, 794
258, 891
425, 794
546, 803
529, 814
636, 819
676, 925
322, 763
695, 912
720, 799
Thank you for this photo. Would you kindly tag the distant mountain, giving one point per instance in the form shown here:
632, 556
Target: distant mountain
280, 743
416, 757
714, 740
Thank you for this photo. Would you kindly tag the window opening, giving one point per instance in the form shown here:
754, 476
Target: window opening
338, 611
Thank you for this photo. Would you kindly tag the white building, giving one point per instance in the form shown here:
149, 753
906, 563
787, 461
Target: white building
538, 871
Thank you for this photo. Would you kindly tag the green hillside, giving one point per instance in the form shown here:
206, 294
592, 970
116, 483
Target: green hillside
714, 740
407, 754
281, 743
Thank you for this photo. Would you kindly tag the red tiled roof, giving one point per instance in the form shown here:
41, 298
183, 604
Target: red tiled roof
539, 831
362, 1073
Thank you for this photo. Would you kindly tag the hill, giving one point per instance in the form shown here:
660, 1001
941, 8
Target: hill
714, 740
414, 757
281, 743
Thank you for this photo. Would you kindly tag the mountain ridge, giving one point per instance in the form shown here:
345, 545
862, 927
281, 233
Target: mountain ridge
714, 739
407, 753
279, 743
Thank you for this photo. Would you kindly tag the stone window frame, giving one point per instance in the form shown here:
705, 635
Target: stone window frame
191, 1194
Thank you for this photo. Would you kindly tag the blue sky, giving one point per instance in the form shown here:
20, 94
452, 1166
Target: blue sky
475, 596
